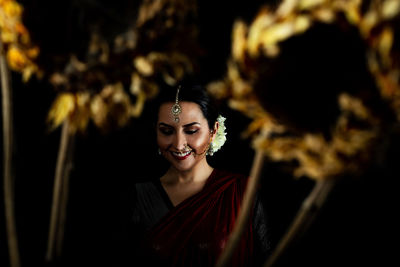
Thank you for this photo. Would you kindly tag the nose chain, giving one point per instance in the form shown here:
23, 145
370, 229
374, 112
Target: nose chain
186, 147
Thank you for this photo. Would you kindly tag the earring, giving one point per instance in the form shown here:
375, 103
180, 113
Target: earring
210, 150
159, 151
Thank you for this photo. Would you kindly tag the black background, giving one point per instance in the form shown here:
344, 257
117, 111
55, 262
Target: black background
355, 227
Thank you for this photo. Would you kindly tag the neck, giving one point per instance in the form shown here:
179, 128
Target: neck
198, 173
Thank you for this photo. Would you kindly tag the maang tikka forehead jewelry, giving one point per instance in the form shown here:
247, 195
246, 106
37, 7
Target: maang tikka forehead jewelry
176, 108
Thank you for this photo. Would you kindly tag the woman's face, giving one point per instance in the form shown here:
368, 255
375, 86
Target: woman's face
184, 143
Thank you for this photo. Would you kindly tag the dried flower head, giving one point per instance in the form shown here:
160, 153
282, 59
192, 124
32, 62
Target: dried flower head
119, 76
300, 73
21, 53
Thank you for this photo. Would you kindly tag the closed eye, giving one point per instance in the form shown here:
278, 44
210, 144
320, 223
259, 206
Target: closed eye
191, 131
166, 131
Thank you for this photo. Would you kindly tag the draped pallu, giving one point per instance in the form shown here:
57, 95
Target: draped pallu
195, 232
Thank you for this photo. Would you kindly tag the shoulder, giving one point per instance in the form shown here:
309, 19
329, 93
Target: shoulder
150, 204
145, 190
143, 186
229, 175
222, 176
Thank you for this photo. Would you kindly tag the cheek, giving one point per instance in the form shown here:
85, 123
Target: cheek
163, 141
199, 143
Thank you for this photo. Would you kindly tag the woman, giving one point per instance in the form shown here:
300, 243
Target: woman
185, 217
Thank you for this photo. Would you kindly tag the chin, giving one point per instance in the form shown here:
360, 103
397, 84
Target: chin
183, 166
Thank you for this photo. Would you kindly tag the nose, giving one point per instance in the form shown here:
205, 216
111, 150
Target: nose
179, 142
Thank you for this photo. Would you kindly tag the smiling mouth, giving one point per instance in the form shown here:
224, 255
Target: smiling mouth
181, 155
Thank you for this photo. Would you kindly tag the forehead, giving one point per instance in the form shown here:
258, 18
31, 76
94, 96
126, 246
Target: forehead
191, 112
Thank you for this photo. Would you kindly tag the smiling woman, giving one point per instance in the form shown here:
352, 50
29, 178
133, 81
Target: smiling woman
185, 143
184, 217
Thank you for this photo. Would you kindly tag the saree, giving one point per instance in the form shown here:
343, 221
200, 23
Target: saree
195, 232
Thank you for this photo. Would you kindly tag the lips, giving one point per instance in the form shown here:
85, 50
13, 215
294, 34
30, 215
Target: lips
181, 155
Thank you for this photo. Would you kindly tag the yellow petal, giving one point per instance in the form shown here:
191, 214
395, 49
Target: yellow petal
287, 7
2, 2
169, 79
80, 118
233, 72
58, 79
136, 110
368, 22
301, 23
151, 89
32, 52
136, 84
277, 33
27, 72
353, 14
16, 58
324, 14
239, 40
121, 108
240, 88
119, 95
12, 9
263, 20
76, 64
271, 50
308, 4
98, 110
390, 8
8, 36
386, 42
20, 28
83, 99
354, 105
144, 66
63, 106
218, 89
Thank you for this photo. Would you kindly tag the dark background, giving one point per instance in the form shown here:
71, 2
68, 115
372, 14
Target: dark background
354, 228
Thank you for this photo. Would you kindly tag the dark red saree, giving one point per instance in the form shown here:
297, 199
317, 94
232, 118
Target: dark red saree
195, 232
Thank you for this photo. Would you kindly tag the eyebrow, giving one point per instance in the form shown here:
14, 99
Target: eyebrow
186, 125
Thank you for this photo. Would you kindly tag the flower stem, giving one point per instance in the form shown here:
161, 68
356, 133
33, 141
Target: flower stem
60, 193
305, 216
12, 238
245, 210
64, 196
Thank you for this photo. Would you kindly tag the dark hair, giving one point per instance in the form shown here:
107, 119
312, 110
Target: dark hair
190, 93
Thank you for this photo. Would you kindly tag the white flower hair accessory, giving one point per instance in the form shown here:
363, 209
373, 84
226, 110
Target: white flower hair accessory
220, 137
